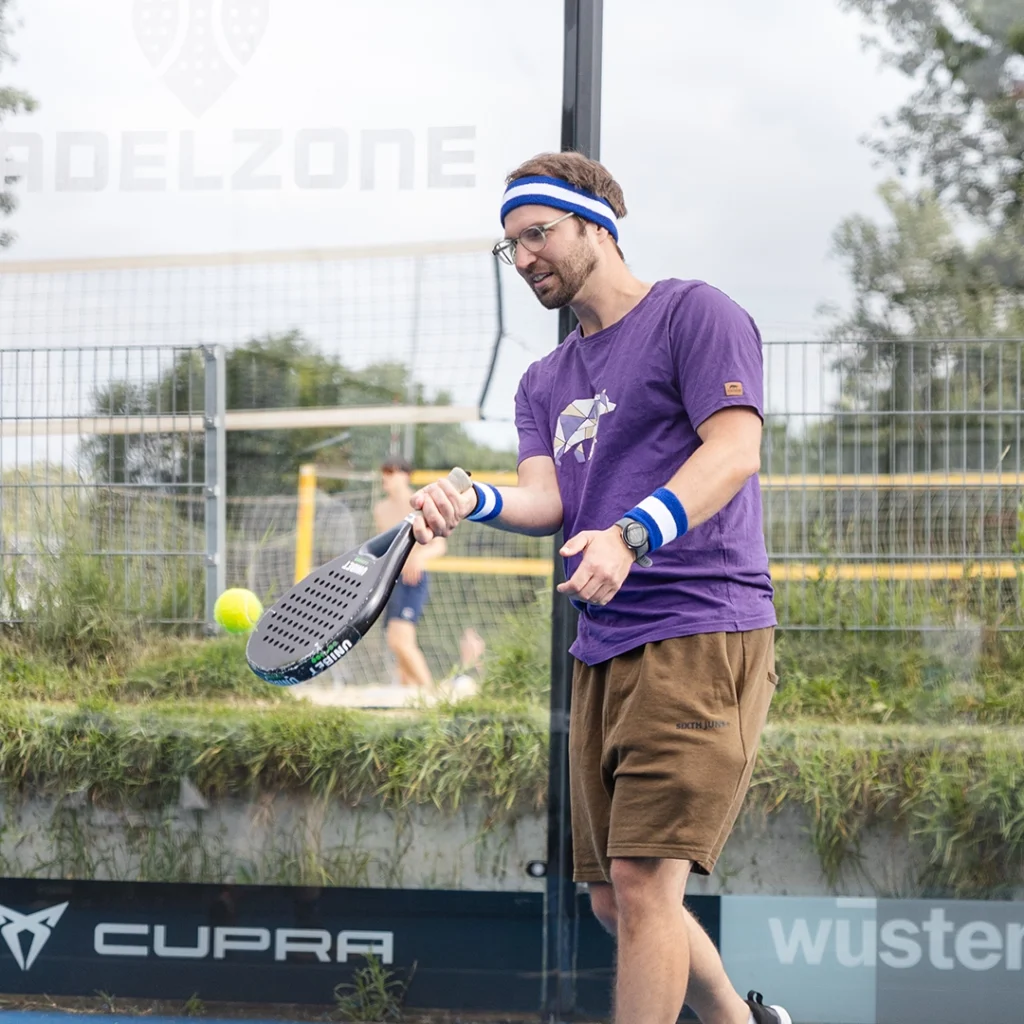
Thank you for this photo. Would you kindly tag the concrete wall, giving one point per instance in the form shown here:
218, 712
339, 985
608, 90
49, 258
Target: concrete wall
281, 839
293, 839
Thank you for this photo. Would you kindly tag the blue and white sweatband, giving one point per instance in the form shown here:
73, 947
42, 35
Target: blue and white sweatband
540, 190
663, 515
488, 503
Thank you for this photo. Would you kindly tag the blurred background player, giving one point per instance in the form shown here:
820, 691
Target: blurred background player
465, 681
405, 609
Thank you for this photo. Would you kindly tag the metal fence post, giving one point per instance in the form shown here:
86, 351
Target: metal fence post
215, 488
581, 131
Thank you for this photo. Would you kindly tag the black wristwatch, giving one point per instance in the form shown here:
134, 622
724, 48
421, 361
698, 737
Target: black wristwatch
635, 537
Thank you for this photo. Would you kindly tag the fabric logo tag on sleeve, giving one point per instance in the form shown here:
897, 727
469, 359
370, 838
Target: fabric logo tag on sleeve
733, 389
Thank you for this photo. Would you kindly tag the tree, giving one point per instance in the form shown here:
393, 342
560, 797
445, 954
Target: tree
963, 127
920, 294
273, 372
962, 132
917, 281
916, 278
12, 101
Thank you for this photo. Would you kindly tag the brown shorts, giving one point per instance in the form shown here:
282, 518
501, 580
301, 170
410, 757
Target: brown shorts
662, 741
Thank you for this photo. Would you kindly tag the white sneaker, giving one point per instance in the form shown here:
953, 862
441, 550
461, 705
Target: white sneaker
766, 1014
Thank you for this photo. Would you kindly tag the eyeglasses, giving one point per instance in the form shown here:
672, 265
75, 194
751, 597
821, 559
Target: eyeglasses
533, 239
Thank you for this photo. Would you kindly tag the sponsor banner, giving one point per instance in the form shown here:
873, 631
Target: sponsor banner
950, 962
867, 961
827, 960
814, 956
479, 951
268, 944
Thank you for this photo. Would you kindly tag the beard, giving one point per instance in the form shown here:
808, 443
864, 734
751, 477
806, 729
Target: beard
567, 278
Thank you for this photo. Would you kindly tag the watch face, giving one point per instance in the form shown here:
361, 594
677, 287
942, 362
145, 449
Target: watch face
635, 534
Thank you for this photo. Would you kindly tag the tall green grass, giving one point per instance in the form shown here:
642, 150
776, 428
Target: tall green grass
920, 730
955, 795
148, 668
836, 675
139, 753
63, 597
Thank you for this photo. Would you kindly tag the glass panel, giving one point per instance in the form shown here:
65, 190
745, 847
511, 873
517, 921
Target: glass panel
861, 201
315, 188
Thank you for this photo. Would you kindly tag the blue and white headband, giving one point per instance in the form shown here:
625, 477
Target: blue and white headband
540, 190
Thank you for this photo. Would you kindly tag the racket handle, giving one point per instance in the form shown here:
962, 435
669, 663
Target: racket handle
459, 479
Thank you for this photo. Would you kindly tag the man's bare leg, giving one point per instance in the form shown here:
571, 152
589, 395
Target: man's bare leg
710, 993
412, 666
653, 944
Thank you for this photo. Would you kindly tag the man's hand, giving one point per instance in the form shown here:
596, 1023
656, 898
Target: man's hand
606, 564
443, 508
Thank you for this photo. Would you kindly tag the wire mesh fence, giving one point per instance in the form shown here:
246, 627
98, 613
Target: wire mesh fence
104, 495
891, 471
892, 484
485, 576
391, 324
109, 411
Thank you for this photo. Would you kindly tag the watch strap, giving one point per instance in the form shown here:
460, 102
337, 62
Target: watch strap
639, 552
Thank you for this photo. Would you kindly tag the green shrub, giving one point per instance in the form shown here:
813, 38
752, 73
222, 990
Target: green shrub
955, 794
153, 668
518, 665
198, 669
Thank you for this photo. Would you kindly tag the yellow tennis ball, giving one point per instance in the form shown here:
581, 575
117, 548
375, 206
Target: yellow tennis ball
238, 610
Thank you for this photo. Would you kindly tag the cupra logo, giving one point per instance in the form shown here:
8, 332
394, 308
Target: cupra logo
39, 925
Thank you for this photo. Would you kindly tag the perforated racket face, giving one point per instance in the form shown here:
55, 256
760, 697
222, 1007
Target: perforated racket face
325, 615
308, 616
319, 620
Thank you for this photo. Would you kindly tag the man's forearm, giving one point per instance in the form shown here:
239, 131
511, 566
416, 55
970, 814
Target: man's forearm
710, 478
728, 456
529, 511
534, 507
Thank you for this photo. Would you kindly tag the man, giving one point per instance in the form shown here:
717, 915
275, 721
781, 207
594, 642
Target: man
405, 608
640, 437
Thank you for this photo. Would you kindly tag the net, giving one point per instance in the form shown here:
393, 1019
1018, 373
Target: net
105, 403
428, 313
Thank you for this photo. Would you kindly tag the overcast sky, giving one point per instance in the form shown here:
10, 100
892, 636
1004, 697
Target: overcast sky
733, 128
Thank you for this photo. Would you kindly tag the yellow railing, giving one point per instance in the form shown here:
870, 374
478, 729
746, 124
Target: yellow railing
782, 571
803, 481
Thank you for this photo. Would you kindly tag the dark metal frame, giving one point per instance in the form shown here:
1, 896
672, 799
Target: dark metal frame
581, 131
499, 333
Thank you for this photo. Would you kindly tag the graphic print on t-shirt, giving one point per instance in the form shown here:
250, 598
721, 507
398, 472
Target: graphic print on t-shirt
577, 423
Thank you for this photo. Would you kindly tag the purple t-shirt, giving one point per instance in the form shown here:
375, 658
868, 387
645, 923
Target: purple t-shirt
618, 412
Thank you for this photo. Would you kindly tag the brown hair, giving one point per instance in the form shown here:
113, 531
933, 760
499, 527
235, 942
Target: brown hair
578, 170
395, 464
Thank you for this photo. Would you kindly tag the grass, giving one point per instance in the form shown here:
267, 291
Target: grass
374, 994
519, 663
85, 607
898, 678
835, 677
137, 754
144, 668
956, 793
920, 731
967, 675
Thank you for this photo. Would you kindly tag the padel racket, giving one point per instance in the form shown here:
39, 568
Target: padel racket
327, 613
